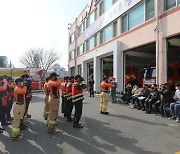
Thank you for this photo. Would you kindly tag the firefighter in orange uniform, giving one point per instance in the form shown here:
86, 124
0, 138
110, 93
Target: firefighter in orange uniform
10, 90
54, 101
63, 89
46, 99
27, 82
3, 87
69, 104
65, 97
104, 95
77, 99
18, 108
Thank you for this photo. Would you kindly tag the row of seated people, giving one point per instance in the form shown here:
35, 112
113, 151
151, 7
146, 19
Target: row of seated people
153, 100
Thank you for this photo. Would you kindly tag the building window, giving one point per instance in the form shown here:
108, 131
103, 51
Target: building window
91, 43
87, 45
101, 37
115, 29
149, 9
107, 4
108, 33
79, 69
124, 23
72, 38
136, 16
168, 4
95, 40
72, 55
80, 50
95, 14
91, 18
101, 10
80, 29
178, 2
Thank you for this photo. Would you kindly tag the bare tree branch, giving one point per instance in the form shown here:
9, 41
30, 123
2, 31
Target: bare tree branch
40, 59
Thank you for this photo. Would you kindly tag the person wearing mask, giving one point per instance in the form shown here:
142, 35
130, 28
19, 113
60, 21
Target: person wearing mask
136, 92
91, 87
27, 83
77, 99
127, 95
65, 97
143, 96
46, 99
152, 98
104, 86
18, 108
63, 89
3, 87
69, 104
165, 99
10, 90
54, 101
175, 106
113, 90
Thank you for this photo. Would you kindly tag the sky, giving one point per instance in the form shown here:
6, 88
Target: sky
26, 24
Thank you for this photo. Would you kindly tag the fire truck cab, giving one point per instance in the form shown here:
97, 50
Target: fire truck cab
173, 75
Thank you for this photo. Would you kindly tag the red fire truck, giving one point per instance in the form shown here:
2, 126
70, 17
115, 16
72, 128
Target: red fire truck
173, 75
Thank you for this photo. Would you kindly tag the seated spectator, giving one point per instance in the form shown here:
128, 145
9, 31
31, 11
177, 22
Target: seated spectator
136, 91
143, 96
152, 98
175, 106
165, 99
127, 95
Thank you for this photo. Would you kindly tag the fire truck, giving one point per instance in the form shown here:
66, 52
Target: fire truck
37, 84
173, 75
133, 75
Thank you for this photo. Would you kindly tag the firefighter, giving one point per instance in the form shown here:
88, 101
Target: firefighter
10, 90
77, 99
105, 85
4, 99
46, 99
3, 87
69, 104
18, 108
27, 83
54, 101
65, 97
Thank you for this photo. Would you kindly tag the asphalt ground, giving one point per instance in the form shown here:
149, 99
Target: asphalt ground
123, 131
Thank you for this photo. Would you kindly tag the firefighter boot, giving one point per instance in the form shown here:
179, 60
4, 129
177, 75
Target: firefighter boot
18, 137
22, 125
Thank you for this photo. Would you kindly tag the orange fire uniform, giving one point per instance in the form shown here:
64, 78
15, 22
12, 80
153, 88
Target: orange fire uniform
104, 96
18, 109
46, 101
54, 101
77, 98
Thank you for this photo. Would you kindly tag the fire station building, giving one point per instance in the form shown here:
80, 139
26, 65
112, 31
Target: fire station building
123, 38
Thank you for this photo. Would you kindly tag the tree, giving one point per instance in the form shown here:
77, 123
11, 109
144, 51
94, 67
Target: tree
40, 59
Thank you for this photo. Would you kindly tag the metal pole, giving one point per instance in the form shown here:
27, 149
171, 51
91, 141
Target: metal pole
157, 41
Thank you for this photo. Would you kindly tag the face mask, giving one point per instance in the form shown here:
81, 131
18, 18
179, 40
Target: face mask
55, 78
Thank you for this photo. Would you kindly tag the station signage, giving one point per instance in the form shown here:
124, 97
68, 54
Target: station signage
120, 7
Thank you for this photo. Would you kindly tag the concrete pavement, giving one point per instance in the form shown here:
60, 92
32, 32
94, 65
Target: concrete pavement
123, 131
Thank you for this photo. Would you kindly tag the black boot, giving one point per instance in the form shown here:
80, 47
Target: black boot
22, 126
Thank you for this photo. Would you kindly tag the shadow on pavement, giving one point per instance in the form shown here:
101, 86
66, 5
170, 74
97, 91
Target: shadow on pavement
135, 119
95, 138
99, 135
